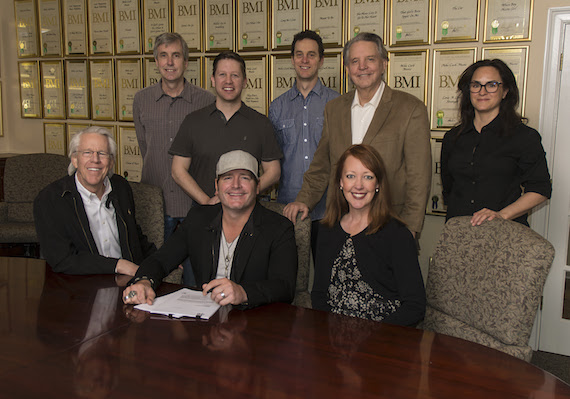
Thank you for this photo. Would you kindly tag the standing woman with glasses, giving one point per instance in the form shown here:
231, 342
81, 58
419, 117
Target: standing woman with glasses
492, 164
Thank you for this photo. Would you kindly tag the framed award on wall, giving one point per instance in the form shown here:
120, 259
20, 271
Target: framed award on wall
50, 27
102, 90
52, 89
26, 28
74, 27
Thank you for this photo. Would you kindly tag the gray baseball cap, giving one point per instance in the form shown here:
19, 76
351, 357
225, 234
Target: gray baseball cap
234, 160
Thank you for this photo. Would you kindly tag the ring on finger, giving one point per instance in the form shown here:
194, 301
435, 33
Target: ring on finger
223, 295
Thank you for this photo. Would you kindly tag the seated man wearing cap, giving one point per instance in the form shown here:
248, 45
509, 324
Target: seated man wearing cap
241, 253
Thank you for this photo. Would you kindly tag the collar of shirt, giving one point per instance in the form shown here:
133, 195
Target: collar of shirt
318, 90
361, 115
87, 195
373, 102
185, 94
242, 111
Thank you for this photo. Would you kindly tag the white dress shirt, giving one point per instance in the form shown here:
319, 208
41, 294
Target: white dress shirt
102, 220
361, 115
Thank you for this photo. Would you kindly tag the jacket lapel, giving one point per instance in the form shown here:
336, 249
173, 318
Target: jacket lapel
380, 116
245, 245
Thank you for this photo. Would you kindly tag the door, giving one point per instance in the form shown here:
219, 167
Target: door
555, 320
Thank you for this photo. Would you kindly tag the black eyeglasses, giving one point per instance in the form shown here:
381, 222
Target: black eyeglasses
490, 87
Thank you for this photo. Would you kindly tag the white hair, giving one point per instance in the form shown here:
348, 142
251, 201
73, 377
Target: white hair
74, 145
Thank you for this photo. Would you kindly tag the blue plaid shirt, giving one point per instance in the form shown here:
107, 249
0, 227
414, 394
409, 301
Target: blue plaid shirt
298, 124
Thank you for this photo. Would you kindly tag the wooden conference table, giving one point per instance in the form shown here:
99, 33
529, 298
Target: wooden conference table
71, 336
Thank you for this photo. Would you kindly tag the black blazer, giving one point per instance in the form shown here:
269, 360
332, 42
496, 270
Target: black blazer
265, 259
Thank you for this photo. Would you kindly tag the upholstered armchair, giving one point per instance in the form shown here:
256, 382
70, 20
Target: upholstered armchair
303, 239
485, 283
24, 177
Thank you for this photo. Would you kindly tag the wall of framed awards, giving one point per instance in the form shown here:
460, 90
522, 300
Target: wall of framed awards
80, 62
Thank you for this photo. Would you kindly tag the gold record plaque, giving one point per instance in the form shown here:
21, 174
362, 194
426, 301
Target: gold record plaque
129, 82
30, 92
102, 90
75, 27
26, 28
187, 21
100, 27
127, 27
77, 87
50, 27
219, 25
252, 24
52, 89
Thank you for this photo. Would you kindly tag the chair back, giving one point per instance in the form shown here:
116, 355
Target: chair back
24, 177
303, 240
485, 283
149, 211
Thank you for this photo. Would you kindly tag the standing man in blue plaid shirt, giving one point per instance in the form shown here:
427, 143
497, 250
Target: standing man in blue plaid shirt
297, 116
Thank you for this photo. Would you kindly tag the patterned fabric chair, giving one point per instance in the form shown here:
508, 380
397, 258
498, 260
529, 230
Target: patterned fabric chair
485, 283
303, 239
24, 177
149, 209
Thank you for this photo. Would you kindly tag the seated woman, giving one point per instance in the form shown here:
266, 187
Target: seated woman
366, 259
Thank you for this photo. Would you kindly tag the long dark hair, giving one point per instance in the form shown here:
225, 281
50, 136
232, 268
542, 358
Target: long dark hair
509, 115
381, 206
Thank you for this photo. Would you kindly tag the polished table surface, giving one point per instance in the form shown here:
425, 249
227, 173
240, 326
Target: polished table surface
71, 336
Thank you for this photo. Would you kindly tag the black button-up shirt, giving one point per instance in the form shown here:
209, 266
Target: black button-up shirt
491, 170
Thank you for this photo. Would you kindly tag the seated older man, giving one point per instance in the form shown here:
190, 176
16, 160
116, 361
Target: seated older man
241, 253
86, 221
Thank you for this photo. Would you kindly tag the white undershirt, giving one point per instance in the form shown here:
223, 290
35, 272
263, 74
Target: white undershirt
102, 220
361, 115
224, 251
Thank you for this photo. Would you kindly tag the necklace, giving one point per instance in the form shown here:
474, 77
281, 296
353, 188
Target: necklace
228, 250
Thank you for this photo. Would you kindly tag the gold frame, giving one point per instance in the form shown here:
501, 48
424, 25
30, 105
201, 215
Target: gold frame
454, 84
110, 37
62, 138
509, 39
274, 38
61, 89
117, 22
458, 39
200, 15
390, 69
121, 108
38, 89
326, 44
240, 36
121, 145
403, 43
208, 38
349, 9
110, 84
58, 52
33, 26
66, 42
265, 101
87, 103
524, 62
148, 41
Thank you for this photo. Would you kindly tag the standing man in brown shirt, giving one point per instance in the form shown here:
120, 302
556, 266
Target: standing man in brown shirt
158, 111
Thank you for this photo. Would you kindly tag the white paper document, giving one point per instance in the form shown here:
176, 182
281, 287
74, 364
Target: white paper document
182, 303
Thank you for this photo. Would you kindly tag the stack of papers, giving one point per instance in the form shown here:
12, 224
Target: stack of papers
182, 303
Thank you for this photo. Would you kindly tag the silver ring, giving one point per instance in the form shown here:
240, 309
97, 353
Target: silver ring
131, 294
223, 295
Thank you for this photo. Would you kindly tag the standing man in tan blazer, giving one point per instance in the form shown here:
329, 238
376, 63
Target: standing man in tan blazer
393, 122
